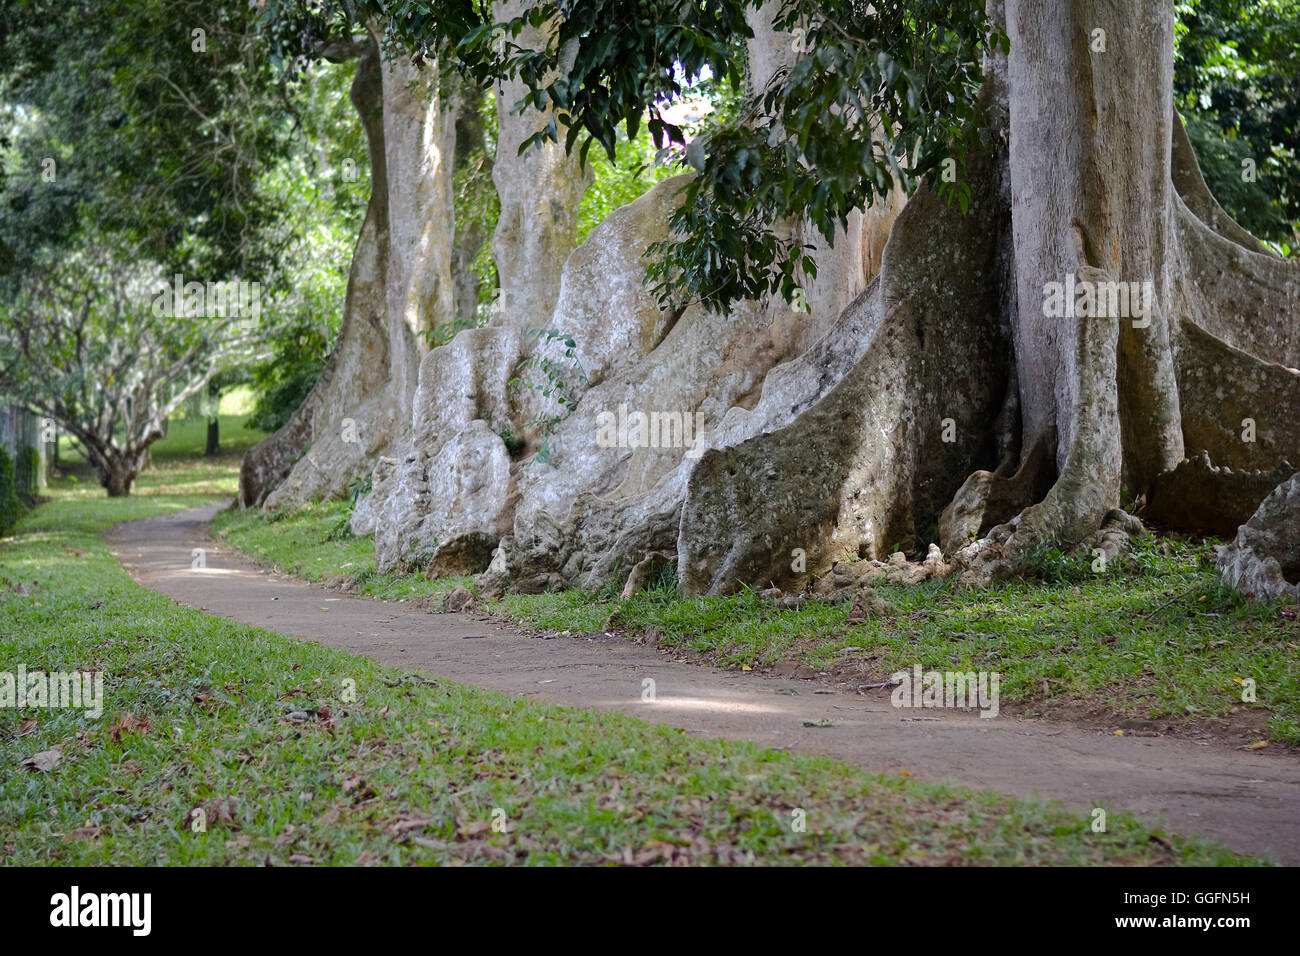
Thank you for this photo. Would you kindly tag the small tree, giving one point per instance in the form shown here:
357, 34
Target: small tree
106, 346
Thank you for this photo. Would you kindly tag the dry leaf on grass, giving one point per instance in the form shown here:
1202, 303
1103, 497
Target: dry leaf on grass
403, 825
128, 723
215, 811
470, 828
654, 852
45, 761
430, 844
331, 815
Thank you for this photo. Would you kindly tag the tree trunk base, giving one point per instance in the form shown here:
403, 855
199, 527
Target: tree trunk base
1263, 561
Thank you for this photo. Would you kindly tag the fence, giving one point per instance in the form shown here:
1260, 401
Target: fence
21, 429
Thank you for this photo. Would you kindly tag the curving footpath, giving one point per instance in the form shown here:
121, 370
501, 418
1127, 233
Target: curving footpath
1249, 801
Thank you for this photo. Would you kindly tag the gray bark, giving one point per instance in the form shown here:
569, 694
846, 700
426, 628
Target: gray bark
1097, 157
540, 193
358, 363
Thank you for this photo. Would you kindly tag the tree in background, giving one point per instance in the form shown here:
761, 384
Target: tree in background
95, 343
157, 132
147, 119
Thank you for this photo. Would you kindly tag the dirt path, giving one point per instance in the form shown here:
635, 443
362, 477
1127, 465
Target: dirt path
1249, 801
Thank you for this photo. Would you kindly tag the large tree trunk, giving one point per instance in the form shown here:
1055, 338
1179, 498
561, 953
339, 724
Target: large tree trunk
1099, 409
399, 289
419, 149
1089, 167
540, 194
1122, 399
358, 363
471, 142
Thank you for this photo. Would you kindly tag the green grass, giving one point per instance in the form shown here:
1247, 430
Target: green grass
1158, 637
314, 544
187, 437
256, 732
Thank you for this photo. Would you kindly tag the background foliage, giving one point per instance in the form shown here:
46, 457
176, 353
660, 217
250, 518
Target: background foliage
1237, 84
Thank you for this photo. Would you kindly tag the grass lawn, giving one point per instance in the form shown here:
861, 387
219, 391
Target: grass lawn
1159, 637
222, 743
314, 544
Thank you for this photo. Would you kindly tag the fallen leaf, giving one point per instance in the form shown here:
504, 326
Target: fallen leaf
208, 703
654, 851
214, 811
404, 825
128, 723
45, 761
329, 816
1257, 745
429, 844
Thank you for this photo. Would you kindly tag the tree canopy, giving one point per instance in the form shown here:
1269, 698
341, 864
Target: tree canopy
152, 120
